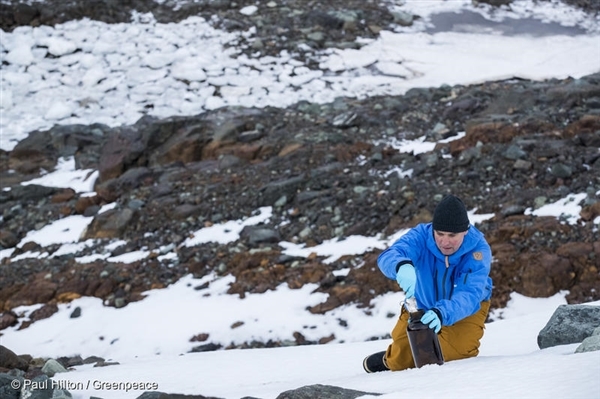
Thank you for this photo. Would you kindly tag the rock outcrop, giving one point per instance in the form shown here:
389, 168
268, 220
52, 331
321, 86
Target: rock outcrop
570, 324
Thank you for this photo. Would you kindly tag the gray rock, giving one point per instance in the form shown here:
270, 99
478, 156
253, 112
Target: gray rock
257, 235
111, 223
34, 153
120, 302
8, 319
61, 394
92, 359
280, 202
522, 165
561, 170
6, 390
210, 347
569, 324
432, 160
52, 367
322, 391
251, 135
39, 388
91, 210
589, 344
129, 180
136, 204
495, 3
30, 192
8, 239
272, 191
538, 202
163, 395
514, 152
75, 313
468, 155
228, 161
184, 211
70, 361
513, 210
10, 360
306, 196
403, 18
345, 120
316, 36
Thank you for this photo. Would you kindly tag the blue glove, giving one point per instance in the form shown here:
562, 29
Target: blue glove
407, 278
431, 318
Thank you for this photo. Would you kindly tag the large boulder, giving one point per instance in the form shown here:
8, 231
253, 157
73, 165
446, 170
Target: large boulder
570, 324
9, 360
322, 391
163, 395
7, 391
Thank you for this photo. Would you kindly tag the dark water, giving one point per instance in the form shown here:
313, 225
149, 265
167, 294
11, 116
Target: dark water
472, 22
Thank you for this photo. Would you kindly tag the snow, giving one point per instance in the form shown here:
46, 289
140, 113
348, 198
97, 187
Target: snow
227, 232
558, 210
66, 175
150, 340
64, 230
99, 73
90, 72
334, 248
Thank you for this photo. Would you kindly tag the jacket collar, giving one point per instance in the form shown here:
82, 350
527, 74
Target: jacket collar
468, 244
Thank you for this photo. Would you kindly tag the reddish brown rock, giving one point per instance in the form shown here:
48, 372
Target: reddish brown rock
83, 203
38, 291
110, 224
8, 319
63, 195
338, 295
33, 154
8, 239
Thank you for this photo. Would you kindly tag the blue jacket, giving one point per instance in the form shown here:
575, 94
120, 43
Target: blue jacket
455, 285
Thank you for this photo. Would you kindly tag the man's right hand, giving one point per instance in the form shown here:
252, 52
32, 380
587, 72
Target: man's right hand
407, 278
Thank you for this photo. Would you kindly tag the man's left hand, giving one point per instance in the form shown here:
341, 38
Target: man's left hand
431, 318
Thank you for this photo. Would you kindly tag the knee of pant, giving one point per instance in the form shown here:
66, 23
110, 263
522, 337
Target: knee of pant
458, 342
399, 358
458, 350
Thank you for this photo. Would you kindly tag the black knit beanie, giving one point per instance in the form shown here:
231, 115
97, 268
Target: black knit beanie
450, 215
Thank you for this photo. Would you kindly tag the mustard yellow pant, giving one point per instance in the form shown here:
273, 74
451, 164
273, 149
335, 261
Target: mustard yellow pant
458, 341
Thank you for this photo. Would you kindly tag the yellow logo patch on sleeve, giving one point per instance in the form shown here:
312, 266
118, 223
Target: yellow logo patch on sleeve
477, 255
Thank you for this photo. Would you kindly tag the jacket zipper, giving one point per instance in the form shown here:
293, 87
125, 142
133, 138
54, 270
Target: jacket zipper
444, 278
437, 292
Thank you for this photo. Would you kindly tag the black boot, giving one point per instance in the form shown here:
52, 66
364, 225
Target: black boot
375, 362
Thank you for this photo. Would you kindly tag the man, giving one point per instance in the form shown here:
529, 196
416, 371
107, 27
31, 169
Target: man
445, 265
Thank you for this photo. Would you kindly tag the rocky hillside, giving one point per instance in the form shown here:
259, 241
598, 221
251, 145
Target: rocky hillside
327, 170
